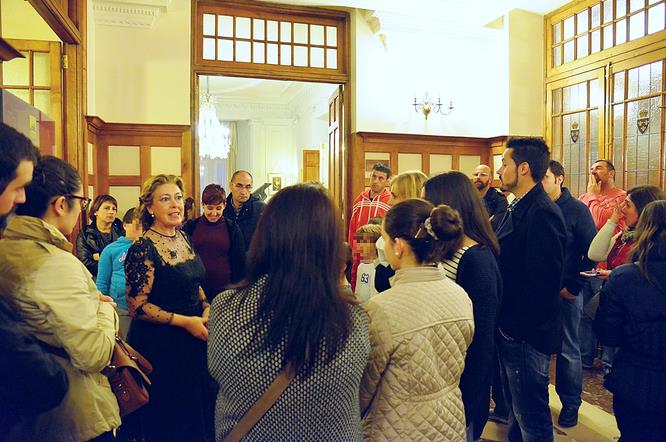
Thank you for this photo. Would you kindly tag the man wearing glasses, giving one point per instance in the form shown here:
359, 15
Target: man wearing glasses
494, 200
242, 207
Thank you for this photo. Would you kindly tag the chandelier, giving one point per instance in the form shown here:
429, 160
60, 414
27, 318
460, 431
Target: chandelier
214, 137
427, 105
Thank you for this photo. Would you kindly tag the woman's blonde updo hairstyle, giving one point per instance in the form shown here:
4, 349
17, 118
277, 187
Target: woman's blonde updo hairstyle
408, 184
148, 192
433, 233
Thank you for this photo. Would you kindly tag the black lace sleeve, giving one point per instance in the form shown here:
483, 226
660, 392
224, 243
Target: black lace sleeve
139, 276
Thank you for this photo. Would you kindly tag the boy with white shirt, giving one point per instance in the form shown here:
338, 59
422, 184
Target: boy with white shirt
366, 236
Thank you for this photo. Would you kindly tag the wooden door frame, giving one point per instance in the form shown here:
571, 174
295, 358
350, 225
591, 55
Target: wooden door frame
249, 72
68, 19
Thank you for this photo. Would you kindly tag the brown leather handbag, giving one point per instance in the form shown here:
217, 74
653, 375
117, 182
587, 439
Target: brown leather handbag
127, 373
128, 376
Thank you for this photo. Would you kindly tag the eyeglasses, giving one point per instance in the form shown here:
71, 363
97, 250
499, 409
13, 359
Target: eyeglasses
83, 200
241, 187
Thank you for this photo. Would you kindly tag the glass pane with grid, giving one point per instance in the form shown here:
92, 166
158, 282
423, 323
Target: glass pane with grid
241, 38
29, 79
638, 134
604, 25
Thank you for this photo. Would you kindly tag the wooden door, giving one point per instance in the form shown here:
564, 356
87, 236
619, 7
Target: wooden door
614, 112
36, 79
636, 124
311, 165
336, 148
575, 125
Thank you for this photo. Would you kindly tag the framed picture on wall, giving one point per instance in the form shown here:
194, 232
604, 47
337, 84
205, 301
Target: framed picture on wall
276, 180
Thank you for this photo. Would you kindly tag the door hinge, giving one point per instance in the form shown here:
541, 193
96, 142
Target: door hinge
64, 61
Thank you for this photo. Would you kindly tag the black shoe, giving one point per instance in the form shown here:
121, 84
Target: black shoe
568, 417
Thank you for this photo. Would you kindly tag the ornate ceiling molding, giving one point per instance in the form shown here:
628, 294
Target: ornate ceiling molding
142, 14
385, 24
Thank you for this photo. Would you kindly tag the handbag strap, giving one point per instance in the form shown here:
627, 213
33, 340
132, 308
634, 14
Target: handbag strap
263, 404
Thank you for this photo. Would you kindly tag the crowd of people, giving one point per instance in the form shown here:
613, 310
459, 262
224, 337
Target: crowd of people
262, 323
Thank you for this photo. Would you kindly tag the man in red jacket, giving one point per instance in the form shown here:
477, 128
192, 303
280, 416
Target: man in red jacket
371, 203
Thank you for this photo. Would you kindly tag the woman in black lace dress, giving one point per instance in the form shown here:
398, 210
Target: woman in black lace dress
170, 314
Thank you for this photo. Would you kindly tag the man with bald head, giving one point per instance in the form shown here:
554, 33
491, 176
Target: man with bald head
494, 201
242, 207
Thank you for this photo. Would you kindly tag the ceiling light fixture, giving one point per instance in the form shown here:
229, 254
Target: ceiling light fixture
214, 137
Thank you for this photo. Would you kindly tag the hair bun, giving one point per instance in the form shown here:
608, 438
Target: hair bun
446, 223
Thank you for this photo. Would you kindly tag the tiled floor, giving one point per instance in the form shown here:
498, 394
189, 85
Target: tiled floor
595, 424
593, 389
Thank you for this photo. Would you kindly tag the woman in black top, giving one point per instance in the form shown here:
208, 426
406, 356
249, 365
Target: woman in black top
170, 313
632, 316
104, 228
475, 269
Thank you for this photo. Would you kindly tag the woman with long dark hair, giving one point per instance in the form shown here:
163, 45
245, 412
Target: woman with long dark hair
613, 248
632, 317
420, 329
291, 312
474, 268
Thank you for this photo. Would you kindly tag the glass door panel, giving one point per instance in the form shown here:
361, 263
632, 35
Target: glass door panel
638, 125
574, 128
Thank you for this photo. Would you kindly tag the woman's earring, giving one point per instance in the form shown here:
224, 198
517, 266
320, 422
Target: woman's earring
152, 215
397, 254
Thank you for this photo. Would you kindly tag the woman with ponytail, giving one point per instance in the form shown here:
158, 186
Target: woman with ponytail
419, 331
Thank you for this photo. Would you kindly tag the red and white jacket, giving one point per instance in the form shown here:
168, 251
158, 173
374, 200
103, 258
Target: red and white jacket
365, 208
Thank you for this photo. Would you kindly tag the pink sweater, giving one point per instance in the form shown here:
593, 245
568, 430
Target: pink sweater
602, 206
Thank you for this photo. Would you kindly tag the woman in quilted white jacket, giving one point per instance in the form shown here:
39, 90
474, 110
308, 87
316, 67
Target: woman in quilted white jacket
419, 331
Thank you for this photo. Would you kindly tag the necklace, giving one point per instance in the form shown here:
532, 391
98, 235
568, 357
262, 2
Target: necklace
173, 253
162, 234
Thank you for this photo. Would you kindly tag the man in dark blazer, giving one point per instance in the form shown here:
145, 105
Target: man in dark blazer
532, 237
580, 232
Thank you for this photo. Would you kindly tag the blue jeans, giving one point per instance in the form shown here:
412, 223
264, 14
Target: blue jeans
587, 339
525, 371
569, 371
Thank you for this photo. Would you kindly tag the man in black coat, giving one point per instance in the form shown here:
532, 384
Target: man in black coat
493, 200
31, 381
580, 232
532, 236
242, 207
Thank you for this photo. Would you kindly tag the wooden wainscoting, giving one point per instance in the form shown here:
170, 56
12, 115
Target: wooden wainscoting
428, 153
124, 155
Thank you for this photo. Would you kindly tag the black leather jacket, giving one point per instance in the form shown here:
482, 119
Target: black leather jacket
247, 218
31, 381
91, 241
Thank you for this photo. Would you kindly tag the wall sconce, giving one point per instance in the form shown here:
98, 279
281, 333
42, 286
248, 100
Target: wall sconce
426, 106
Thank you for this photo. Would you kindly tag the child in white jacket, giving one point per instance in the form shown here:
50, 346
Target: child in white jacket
366, 236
